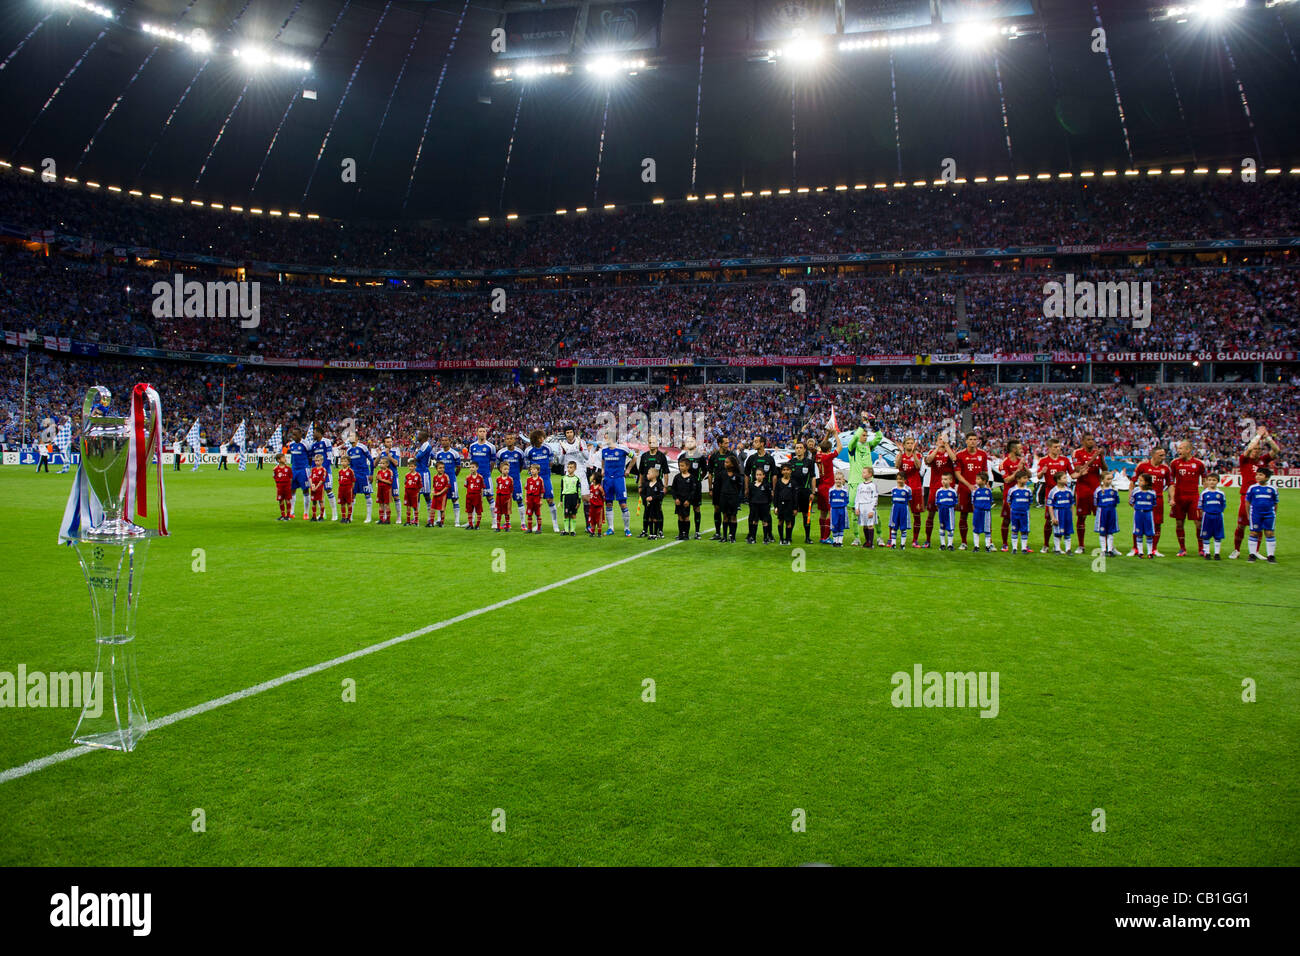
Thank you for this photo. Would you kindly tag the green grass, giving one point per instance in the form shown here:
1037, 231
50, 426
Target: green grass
1118, 690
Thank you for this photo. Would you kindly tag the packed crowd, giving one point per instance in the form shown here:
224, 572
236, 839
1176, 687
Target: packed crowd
1213, 418
1192, 309
1119, 210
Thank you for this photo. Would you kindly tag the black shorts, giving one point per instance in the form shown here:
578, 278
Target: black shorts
760, 512
727, 504
684, 510
571, 505
785, 515
803, 499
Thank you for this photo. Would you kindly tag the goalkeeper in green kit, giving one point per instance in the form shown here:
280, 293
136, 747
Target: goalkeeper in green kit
570, 496
866, 437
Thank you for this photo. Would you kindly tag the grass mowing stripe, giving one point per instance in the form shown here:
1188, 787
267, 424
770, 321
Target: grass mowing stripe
32, 766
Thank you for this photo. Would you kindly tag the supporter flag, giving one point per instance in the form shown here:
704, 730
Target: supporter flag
192, 439
63, 438
311, 434
277, 441
833, 424
238, 439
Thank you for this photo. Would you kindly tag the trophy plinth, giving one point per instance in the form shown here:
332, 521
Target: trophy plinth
112, 554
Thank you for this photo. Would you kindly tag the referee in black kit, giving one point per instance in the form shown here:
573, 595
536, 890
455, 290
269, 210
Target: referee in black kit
803, 472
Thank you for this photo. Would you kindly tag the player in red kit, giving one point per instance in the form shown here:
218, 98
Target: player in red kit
384, 491
347, 490
942, 462
316, 481
1089, 462
1189, 473
505, 493
1160, 476
826, 480
283, 475
972, 461
412, 488
439, 485
473, 499
909, 466
1012, 462
1049, 466
596, 506
533, 488
1255, 456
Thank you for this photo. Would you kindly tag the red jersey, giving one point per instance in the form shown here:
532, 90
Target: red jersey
943, 464
1091, 464
597, 497
533, 488
284, 475
384, 479
347, 478
440, 484
1049, 468
1009, 466
971, 463
1188, 474
1248, 468
825, 469
909, 466
474, 484
505, 486
413, 481
317, 478
1160, 476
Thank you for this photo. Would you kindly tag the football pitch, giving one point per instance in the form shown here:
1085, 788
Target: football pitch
515, 723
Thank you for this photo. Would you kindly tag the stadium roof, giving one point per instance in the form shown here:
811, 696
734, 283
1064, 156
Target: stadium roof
155, 110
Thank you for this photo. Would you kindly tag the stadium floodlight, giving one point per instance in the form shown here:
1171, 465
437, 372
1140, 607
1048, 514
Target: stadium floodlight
1206, 9
94, 8
801, 50
252, 56
975, 37
608, 66
658, 200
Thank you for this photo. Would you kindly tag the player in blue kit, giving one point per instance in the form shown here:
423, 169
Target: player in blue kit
514, 460
540, 455
1261, 497
615, 460
1019, 500
299, 464
363, 466
1143, 501
324, 447
899, 512
1212, 504
1106, 502
1060, 505
838, 498
449, 458
483, 454
424, 464
945, 502
981, 502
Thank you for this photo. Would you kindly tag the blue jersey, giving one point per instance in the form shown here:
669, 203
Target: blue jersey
514, 458
1062, 500
1213, 501
613, 460
839, 499
540, 456
981, 499
1144, 502
1107, 504
424, 458
902, 495
1020, 500
483, 454
362, 465
324, 449
1263, 502
299, 456
945, 499
450, 459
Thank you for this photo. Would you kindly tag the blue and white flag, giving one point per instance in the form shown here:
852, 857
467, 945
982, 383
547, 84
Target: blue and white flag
63, 438
277, 441
238, 439
311, 434
192, 439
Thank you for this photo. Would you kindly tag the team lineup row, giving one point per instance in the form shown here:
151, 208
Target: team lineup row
960, 485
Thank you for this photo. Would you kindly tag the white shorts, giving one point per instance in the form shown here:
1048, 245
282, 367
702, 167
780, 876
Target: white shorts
866, 516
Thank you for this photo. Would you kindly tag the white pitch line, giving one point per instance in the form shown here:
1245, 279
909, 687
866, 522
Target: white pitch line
42, 762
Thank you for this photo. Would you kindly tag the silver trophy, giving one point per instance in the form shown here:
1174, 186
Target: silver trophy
112, 554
